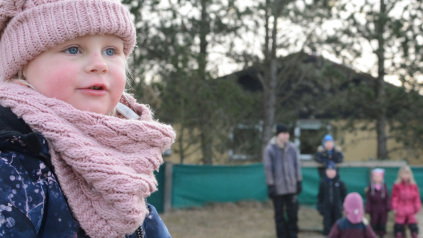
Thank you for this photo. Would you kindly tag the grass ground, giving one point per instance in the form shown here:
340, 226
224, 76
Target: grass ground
244, 220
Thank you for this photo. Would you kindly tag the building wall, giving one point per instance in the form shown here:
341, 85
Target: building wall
357, 145
192, 152
361, 145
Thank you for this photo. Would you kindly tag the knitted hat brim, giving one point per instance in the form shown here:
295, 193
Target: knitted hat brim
37, 29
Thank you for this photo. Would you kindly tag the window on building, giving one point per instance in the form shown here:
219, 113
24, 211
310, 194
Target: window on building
308, 136
245, 142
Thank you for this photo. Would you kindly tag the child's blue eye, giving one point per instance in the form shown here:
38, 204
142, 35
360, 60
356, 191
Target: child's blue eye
72, 50
110, 51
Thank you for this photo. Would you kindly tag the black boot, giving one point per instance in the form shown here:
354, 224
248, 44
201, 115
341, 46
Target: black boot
382, 230
414, 230
399, 230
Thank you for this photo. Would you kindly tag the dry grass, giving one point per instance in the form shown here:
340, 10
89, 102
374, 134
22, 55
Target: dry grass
243, 220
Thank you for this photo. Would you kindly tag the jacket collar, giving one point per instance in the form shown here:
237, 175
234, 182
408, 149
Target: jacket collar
273, 141
16, 135
10, 123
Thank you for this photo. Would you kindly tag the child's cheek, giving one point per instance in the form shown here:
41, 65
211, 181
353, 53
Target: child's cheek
62, 81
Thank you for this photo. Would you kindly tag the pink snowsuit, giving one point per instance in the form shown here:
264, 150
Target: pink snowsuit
406, 201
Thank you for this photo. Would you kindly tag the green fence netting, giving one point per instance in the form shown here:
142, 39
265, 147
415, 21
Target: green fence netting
157, 198
355, 179
310, 186
196, 185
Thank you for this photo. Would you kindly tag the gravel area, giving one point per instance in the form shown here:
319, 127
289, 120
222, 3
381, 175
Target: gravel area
245, 220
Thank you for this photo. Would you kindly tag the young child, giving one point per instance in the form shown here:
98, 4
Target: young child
332, 192
327, 152
353, 225
405, 203
378, 202
71, 163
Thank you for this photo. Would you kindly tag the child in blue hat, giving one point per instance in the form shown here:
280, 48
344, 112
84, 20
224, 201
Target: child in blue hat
328, 152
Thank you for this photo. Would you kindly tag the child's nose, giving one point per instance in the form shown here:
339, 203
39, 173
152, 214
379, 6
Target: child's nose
96, 64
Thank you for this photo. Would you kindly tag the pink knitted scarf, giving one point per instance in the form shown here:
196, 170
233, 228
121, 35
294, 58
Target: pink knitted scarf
104, 164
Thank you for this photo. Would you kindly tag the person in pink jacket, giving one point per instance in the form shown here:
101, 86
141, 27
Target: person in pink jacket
406, 203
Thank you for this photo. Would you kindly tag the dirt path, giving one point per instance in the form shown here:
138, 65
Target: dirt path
420, 219
245, 220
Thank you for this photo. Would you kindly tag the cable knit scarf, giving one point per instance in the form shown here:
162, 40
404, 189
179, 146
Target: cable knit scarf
104, 164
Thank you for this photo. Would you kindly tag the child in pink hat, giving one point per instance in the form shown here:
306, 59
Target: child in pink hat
77, 154
354, 225
378, 202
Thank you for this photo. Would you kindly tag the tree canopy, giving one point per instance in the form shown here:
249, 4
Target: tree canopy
184, 47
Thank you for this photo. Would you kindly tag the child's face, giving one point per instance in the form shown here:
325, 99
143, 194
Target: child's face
87, 72
405, 176
331, 173
377, 178
329, 145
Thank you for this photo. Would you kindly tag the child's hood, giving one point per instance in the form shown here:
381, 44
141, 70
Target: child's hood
353, 206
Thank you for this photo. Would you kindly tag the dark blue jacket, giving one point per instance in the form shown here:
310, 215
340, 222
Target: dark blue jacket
331, 195
323, 156
32, 203
343, 228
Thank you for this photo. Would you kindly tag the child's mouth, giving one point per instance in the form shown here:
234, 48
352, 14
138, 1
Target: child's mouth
95, 90
96, 87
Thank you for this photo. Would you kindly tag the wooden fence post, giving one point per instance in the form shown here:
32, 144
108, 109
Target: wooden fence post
168, 187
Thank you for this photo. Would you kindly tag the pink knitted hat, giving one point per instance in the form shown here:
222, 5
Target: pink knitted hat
30, 27
353, 206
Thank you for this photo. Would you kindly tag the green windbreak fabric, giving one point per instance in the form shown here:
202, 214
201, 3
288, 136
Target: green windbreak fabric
418, 176
355, 179
157, 198
311, 182
196, 185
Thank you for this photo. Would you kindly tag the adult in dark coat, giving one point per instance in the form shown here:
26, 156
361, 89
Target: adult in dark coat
378, 202
328, 152
332, 192
283, 178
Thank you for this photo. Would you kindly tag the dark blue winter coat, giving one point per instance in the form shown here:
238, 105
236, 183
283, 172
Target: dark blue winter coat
343, 228
332, 193
32, 203
323, 156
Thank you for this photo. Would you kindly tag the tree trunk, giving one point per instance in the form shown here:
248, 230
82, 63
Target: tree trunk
206, 145
181, 145
269, 103
181, 134
270, 75
270, 80
204, 31
205, 124
382, 151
